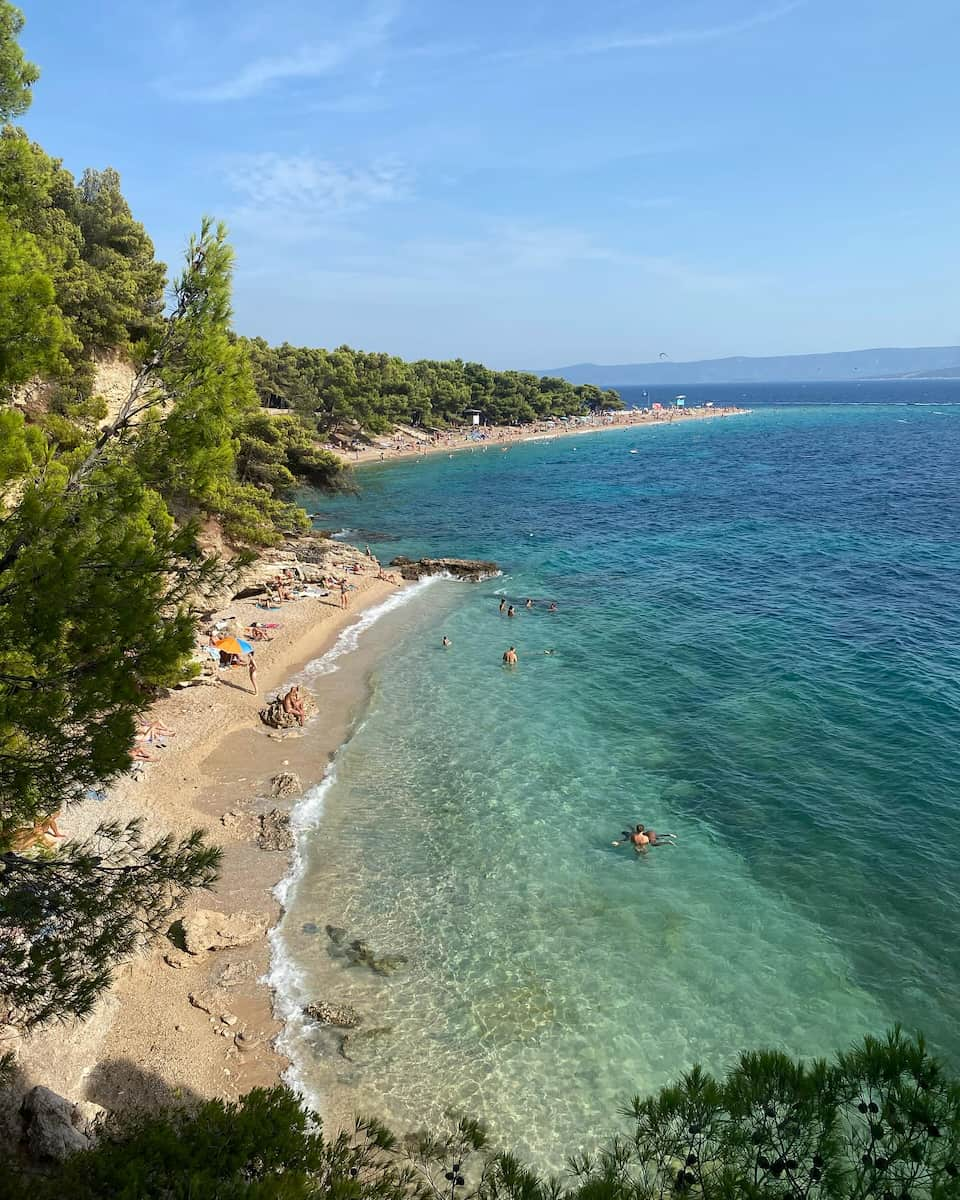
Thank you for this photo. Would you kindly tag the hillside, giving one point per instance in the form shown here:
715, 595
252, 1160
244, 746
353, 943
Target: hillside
928, 362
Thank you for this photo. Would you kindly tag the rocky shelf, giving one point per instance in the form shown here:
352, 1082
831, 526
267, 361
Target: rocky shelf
470, 569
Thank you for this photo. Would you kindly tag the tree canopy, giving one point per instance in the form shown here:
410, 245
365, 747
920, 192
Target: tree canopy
17, 76
346, 387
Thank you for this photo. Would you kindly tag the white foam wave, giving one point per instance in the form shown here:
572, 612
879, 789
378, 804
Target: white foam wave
284, 977
349, 637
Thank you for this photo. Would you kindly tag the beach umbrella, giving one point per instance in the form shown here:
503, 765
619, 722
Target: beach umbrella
232, 645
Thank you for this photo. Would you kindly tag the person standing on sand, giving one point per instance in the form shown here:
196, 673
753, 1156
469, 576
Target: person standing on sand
510, 657
343, 593
252, 668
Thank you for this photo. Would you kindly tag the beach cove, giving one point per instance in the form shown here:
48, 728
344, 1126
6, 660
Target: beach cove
496, 993
148, 1042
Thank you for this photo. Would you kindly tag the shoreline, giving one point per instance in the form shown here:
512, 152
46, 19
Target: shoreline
175, 1026
503, 436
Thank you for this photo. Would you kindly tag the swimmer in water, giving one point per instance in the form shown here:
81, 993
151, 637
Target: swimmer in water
503, 603
510, 657
446, 642
553, 606
640, 838
511, 611
528, 603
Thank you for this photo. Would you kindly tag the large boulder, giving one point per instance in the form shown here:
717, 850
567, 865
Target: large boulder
275, 831
272, 713
208, 930
53, 1128
285, 786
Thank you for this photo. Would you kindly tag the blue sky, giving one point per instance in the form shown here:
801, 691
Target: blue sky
536, 182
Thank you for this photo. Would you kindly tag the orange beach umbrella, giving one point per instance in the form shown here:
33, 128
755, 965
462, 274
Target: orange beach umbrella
230, 645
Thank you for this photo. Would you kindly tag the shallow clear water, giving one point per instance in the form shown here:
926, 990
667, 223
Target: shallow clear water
758, 647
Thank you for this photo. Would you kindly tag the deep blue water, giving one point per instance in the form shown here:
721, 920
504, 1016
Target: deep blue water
758, 646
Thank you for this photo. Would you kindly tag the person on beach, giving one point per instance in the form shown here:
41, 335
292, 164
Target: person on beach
343, 593
510, 657
511, 611
503, 603
446, 642
293, 705
252, 670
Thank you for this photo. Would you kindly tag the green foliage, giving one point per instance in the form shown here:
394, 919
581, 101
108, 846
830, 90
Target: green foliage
17, 76
882, 1122
32, 330
344, 388
97, 583
66, 920
107, 287
123, 296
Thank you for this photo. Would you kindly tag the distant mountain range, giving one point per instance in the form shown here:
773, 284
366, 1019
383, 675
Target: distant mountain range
923, 362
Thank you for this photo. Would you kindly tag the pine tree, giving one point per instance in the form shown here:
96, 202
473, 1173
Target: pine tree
17, 76
97, 583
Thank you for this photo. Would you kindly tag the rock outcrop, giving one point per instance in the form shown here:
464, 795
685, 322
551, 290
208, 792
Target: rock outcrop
285, 786
53, 1128
469, 569
272, 713
207, 930
275, 831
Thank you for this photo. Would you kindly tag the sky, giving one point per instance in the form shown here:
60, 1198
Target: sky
533, 183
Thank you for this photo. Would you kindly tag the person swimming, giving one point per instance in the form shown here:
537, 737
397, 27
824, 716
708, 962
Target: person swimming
640, 838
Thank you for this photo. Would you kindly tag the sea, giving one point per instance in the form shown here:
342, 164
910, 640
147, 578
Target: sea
756, 646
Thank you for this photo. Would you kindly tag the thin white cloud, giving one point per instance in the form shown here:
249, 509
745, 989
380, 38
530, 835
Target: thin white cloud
664, 39
516, 256
284, 196
315, 60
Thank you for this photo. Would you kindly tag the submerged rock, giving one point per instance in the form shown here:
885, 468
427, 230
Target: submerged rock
344, 1016
354, 1046
359, 954
470, 569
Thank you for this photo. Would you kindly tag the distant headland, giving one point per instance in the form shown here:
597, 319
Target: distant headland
939, 362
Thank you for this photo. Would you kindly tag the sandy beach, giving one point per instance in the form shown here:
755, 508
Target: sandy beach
406, 445
178, 1025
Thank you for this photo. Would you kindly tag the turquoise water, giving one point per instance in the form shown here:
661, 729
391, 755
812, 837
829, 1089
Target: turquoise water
757, 647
